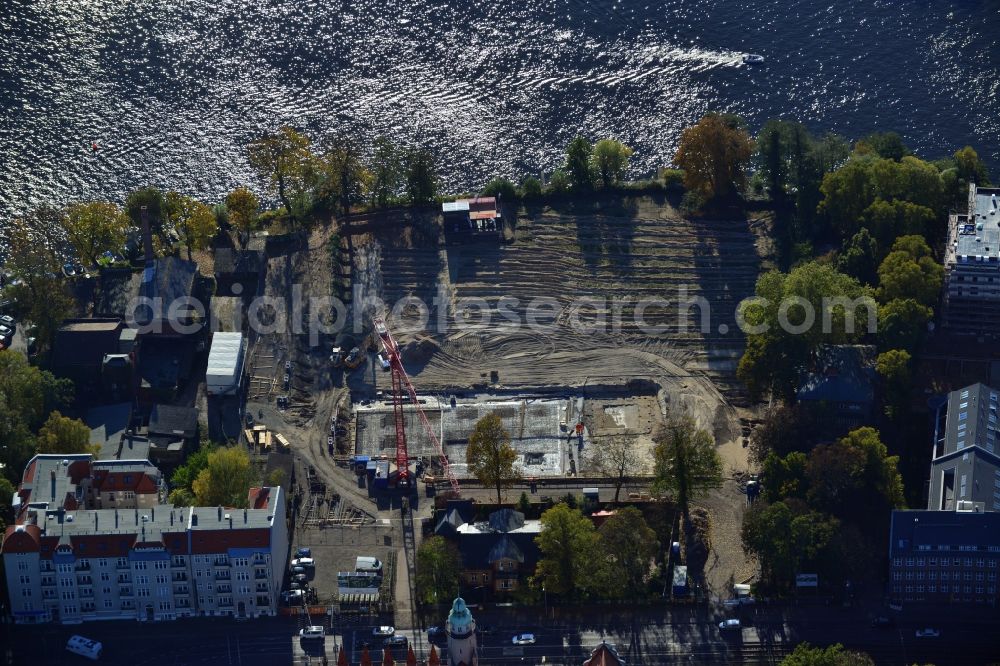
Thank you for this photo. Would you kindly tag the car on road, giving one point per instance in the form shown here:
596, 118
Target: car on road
729, 625
395, 641
303, 552
881, 622
523, 639
437, 635
928, 632
314, 631
306, 562
384, 630
739, 602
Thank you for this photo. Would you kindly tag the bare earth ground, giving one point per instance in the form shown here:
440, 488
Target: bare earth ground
630, 249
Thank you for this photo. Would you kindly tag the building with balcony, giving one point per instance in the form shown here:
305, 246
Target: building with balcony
72, 558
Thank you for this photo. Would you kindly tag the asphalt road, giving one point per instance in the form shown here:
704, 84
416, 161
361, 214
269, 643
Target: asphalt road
967, 637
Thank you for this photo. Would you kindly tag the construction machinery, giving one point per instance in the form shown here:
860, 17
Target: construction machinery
401, 382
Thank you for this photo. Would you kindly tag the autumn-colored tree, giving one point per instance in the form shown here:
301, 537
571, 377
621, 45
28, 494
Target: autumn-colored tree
281, 159
194, 222
94, 228
243, 206
490, 456
714, 154
61, 434
227, 479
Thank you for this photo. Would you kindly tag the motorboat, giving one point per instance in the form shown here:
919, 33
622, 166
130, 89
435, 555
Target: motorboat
752, 58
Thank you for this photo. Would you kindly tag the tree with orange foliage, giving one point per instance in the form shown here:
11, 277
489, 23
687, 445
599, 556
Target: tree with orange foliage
714, 154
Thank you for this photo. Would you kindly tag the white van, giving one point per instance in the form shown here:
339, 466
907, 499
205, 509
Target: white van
85, 647
368, 565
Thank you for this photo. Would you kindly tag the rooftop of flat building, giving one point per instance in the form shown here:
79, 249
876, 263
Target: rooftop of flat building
975, 236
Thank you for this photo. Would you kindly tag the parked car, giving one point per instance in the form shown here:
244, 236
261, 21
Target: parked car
314, 631
290, 596
384, 630
298, 570
729, 625
395, 641
303, 552
928, 632
300, 578
523, 639
307, 562
437, 635
297, 586
9, 322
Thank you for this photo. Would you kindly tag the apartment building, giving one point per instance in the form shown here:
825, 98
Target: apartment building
68, 563
972, 264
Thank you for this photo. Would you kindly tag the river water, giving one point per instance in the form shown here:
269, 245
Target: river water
172, 91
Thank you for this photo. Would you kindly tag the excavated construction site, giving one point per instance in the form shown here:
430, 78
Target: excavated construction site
594, 265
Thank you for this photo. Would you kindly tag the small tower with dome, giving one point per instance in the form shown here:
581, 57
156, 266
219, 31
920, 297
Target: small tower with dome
461, 636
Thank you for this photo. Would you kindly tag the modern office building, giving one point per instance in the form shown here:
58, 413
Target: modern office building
972, 263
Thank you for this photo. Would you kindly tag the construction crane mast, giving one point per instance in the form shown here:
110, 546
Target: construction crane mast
400, 381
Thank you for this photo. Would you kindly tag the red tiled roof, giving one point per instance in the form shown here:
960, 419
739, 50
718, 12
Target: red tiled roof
139, 482
70, 503
258, 498
29, 472
22, 539
78, 471
218, 541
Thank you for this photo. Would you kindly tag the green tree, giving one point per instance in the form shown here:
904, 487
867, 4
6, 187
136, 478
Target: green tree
886, 220
685, 462
438, 564
859, 258
578, 154
95, 227
7, 490
155, 204
971, 169
387, 172
243, 207
893, 367
41, 297
421, 176
772, 162
567, 543
184, 476
193, 221
628, 545
490, 456
714, 154
338, 178
281, 159
181, 497
910, 271
887, 145
501, 187
791, 315
785, 477
227, 479
531, 188
559, 182
832, 655
61, 434
902, 324
786, 541
609, 161
855, 479
616, 458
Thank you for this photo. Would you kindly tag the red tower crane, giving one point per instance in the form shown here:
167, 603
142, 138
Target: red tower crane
400, 382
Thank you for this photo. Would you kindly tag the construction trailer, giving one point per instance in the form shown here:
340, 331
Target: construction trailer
224, 375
